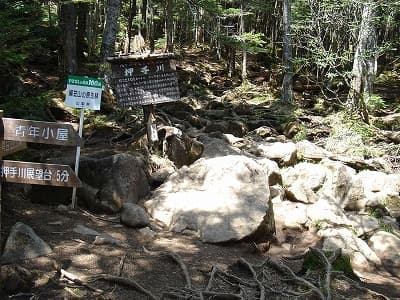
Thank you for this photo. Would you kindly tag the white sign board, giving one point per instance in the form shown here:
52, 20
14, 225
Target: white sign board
83, 92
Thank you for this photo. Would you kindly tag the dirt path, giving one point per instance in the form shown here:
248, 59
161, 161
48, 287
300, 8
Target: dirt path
81, 256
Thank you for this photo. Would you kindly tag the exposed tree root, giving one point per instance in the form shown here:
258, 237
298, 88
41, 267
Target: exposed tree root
124, 281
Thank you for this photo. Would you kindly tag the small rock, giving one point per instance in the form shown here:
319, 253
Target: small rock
133, 215
81, 229
23, 243
147, 233
283, 153
231, 139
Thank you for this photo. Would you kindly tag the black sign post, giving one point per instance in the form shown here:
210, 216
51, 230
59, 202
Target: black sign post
146, 81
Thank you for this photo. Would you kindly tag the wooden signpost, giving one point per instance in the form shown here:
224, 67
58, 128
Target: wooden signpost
40, 132
14, 133
38, 173
145, 80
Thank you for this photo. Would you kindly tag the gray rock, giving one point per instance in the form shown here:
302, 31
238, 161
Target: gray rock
339, 180
362, 257
387, 247
303, 181
285, 154
214, 147
300, 192
308, 150
363, 223
111, 181
291, 215
231, 139
81, 229
23, 243
325, 210
224, 198
99, 238
272, 170
133, 215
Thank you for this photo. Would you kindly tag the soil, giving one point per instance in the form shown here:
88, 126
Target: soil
79, 255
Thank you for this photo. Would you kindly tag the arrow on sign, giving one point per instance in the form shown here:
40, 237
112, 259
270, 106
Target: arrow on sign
38, 173
39, 132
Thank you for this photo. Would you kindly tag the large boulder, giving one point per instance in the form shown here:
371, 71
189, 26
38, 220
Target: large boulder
223, 199
110, 181
387, 246
23, 243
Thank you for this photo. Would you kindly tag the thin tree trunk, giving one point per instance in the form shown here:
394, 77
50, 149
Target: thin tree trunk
287, 85
68, 27
170, 26
151, 29
110, 29
244, 53
365, 63
145, 31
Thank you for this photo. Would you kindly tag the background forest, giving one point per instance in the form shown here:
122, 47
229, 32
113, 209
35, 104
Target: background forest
326, 55
320, 43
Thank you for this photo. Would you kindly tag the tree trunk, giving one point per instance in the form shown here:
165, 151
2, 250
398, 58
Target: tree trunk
365, 63
287, 85
81, 44
170, 26
92, 30
244, 53
151, 29
128, 36
145, 31
110, 29
68, 27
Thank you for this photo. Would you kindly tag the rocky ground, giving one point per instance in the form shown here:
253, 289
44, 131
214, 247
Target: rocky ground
243, 198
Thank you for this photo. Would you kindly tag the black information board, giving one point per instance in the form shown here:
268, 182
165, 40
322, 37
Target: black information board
144, 81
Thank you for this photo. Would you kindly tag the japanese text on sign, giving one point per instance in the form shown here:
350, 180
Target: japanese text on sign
35, 173
40, 132
145, 82
83, 92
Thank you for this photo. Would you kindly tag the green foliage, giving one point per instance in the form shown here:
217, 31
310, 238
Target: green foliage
375, 102
341, 264
31, 108
22, 33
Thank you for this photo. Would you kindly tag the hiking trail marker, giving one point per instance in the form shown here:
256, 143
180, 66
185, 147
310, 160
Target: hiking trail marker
84, 93
145, 80
14, 133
